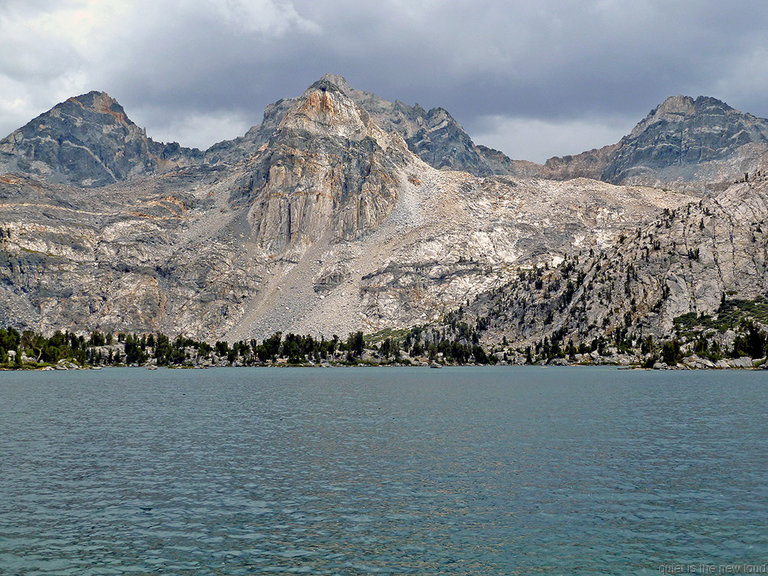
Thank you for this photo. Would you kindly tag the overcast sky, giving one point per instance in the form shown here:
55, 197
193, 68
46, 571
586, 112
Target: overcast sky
533, 79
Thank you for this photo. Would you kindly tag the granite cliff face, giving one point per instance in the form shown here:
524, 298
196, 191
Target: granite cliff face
88, 141
327, 169
688, 260
700, 144
324, 219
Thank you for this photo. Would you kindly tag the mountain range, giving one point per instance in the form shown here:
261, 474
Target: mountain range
342, 211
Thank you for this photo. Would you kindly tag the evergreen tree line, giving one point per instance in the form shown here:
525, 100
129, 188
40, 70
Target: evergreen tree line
454, 343
750, 341
30, 349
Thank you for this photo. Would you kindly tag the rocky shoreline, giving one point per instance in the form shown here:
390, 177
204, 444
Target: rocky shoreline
370, 360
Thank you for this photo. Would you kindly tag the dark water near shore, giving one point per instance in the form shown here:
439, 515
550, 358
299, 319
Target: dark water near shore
388, 471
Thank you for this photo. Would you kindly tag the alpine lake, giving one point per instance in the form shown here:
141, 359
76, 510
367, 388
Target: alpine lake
481, 470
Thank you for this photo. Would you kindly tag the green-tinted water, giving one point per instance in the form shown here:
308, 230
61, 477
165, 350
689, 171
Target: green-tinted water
391, 471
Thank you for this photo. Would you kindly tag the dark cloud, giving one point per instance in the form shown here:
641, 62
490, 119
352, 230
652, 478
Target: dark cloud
523, 75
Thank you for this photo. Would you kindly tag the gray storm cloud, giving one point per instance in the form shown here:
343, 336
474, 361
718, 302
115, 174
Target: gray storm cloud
533, 79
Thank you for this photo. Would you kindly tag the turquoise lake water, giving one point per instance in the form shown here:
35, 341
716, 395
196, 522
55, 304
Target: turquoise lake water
382, 471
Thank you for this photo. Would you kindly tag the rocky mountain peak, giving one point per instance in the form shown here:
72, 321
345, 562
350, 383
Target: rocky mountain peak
434, 135
678, 104
85, 112
699, 144
677, 109
673, 109
328, 171
103, 104
684, 139
332, 82
88, 140
327, 109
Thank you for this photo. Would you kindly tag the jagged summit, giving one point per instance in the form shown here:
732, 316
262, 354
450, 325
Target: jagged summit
697, 144
103, 103
88, 140
682, 135
433, 135
326, 109
700, 143
677, 109
328, 169
332, 82
687, 105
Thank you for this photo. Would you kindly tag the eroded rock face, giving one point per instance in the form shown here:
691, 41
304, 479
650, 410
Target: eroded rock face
323, 220
700, 144
494, 228
88, 141
327, 170
685, 261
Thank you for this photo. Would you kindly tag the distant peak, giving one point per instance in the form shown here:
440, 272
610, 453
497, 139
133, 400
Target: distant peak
101, 103
687, 105
675, 105
332, 83
679, 109
94, 98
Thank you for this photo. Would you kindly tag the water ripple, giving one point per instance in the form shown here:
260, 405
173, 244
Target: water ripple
457, 471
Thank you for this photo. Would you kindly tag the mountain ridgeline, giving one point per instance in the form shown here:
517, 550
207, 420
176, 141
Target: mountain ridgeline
89, 141
344, 212
697, 145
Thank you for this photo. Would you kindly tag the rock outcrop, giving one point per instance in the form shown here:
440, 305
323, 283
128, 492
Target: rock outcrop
689, 260
327, 169
698, 145
89, 141
433, 135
